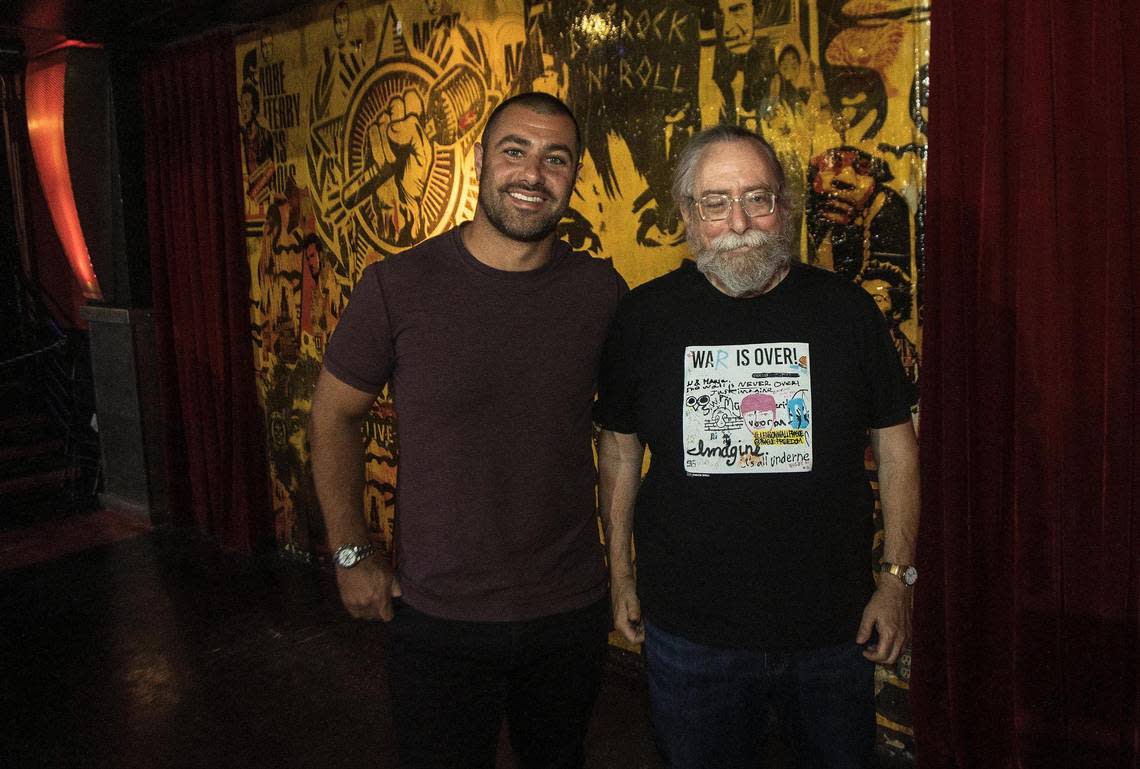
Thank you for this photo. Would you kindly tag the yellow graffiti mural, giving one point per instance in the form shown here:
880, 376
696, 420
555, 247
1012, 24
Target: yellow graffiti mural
359, 119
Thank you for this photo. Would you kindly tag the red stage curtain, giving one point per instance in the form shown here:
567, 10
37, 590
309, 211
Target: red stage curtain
215, 448
1026, 643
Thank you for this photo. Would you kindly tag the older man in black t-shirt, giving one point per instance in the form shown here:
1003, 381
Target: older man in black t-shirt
755, 381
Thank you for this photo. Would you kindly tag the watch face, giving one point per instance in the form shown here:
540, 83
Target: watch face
348, 556
910, 575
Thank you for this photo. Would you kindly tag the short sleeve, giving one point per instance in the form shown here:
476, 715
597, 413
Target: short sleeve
616, 406
361, 352
890, 388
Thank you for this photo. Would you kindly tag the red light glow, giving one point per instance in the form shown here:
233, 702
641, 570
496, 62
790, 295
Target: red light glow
44, 87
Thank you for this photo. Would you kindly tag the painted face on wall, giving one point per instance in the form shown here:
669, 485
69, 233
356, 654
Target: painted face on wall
790, 64
278, 430
858, 99
737, 25
527, 172
880, 291
245, 108
298, 418
340, 23
313, 259
845, 180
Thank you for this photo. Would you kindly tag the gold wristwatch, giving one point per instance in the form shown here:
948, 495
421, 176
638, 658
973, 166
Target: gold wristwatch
908, 574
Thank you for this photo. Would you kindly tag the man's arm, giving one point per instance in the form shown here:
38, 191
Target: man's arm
619, 475
888, 611
338, 470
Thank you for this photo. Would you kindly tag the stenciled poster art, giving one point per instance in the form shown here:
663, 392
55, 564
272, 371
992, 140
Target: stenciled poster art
358, 123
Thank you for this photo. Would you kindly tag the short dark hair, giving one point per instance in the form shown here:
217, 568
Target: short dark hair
540, 102
848, 83
789, 49
255, 98
896, 279
864, 163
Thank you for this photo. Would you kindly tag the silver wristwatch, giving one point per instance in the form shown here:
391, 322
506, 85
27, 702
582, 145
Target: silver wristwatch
349, 555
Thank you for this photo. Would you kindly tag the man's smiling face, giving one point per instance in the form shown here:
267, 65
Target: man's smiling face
526, 172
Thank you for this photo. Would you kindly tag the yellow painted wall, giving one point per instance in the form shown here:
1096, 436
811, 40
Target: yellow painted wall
359, 119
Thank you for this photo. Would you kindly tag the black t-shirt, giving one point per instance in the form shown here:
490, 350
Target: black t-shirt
753, 525
493, 375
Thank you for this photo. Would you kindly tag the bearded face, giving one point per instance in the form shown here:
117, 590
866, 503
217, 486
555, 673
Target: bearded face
743, 264
746, 249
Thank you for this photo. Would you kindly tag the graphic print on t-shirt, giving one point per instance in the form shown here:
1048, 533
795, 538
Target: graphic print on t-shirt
747, 409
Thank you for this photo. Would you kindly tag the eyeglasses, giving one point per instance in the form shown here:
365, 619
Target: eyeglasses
717, 206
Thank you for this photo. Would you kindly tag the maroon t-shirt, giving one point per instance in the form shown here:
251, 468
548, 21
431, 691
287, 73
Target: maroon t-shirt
493, 376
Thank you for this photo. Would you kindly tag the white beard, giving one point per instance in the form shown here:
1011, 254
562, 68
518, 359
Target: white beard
750, 272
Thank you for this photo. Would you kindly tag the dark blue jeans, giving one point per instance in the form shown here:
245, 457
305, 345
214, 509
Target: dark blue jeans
452, 683
711, 706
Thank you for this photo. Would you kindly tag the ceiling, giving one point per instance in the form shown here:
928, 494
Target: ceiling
38, 25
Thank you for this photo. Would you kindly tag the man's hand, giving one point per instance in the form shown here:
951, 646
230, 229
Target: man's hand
888, 612
367, 589
627, 608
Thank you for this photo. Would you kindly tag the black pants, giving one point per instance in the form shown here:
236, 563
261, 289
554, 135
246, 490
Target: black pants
453, 682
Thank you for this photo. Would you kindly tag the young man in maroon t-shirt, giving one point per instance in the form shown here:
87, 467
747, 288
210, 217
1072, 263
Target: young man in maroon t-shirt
489, 337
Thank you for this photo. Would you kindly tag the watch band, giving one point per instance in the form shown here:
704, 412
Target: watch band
348, 556
906, 573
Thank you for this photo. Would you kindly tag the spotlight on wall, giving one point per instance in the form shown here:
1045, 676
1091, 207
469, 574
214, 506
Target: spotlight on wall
596, 27
47, 91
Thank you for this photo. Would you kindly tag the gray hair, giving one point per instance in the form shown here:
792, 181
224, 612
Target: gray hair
684, 173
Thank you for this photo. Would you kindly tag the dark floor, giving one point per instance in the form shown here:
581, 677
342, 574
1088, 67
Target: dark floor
126, 647
122, 646
155, 650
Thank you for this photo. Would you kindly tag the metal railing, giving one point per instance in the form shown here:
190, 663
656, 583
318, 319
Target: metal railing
52, 367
